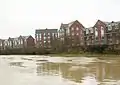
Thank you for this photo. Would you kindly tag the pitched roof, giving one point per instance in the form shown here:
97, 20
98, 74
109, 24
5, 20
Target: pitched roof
46, 31
63, 26
109, 23
66, 26
25, 37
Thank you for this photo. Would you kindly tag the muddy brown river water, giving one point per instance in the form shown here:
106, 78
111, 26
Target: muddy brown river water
45, 70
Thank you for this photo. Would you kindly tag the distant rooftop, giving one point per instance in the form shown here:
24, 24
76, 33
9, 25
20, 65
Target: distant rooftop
46, 31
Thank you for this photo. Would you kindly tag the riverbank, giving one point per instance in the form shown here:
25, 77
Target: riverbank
83, 55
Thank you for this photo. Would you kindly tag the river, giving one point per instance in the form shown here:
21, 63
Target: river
46, 70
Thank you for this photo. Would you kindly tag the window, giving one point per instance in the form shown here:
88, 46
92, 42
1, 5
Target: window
109, 27
91, 30
44, 34
102, 31
44, 41
21, 42
67, 31
44, 37
96, 32
15, 42
53, 34
49, 41
48, 34
117, 41
77, 33
87, 31
10, 43
39, 35
77, 28
116, 26
72, 28
48, 37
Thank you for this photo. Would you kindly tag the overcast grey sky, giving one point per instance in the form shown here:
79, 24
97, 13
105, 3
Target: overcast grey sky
24, 16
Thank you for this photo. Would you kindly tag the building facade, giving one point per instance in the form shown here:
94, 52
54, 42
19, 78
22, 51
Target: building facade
89, 36
20, 42
45, 37
104, 34
72, 34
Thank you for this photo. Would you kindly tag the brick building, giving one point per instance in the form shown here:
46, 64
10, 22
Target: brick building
104, 34
72, 34
28, 41
113, 35
17, 43
45, 37
99, 32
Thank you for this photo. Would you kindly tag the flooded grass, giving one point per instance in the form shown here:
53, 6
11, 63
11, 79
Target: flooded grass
84, 55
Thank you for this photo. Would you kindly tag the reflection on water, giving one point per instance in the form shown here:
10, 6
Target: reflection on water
66, 71
16, 64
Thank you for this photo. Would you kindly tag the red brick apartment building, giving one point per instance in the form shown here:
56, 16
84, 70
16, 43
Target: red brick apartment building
72, 34
45, 37
99, 32
103, 34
